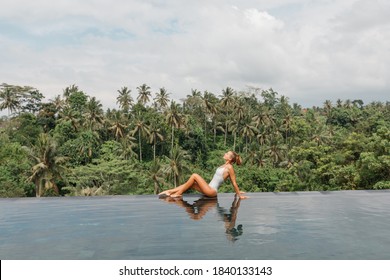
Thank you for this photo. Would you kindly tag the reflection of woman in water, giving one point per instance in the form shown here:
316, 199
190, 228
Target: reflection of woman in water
230, 220
200, 207
211, 190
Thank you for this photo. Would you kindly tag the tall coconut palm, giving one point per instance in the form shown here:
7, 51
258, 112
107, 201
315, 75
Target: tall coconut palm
240, 110
209, 109
70, 115
195, 94
156, 173
276, 150
94, 115
117, 125
177, 164
67, 92
227, 104
58, 103
142, 129
255, 156
348, 104
154, 136
9, 98
227, 97
234, 128
144, 94
287, 122
194, 100
162, 98
262, 117
320, 135
174, 118
47, 167
328, 107
124, 99
128, 144
262, 136
248, 131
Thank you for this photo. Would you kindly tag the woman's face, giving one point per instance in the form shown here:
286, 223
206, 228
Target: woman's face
228, 156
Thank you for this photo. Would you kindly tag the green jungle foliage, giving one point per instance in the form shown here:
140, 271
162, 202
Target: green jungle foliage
71, 146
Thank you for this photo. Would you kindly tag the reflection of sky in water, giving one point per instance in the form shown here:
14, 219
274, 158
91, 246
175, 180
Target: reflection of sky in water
312, 225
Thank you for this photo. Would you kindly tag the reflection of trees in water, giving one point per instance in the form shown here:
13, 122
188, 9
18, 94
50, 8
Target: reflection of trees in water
198, 209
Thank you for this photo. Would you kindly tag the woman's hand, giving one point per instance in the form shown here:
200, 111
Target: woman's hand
240, 196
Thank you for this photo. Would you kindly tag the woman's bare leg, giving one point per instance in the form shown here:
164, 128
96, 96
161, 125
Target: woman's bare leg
196, 182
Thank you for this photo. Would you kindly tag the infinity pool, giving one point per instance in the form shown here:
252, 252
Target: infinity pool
305, 225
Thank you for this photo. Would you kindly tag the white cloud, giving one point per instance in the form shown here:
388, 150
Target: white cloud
309, 51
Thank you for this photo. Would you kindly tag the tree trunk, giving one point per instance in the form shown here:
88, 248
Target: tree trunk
172, 136
140, 146
156, 187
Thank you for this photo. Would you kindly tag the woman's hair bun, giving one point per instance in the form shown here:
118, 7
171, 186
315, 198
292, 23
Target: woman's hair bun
238, 160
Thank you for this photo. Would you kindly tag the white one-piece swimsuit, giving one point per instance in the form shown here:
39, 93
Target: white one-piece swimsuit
217, 180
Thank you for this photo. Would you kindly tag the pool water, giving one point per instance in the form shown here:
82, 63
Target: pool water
304, 225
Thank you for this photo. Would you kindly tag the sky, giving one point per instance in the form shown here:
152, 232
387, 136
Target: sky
307, 50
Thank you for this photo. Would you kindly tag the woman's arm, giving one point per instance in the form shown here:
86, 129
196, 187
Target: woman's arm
232, 176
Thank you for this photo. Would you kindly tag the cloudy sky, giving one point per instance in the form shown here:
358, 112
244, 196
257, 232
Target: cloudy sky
307, 50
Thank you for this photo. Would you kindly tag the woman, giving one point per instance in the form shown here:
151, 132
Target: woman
211, 190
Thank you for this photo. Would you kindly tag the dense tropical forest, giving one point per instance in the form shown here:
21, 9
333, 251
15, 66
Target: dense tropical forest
71, 146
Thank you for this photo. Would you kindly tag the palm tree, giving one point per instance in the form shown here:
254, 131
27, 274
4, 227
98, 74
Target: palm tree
162, 98
174, 118
9, 98
260, 158
239, 110
227, 98
234, 127
255, 156
144, 94
47, 167
348, 104
143, 129
154, 135
94, 113
247, 130
358, 103
287, 122
70, 115
176, 166
124, 99
118, 125
227, 103
275, 150
58, 103
209, 108
156, 173
320, 135
67, 92
127, 147
262, 135
328, 107
193, 101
